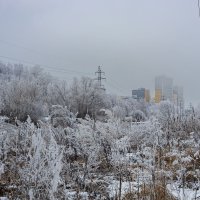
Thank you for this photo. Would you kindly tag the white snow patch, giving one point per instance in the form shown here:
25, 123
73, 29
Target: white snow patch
114, 187
187, 159
196, 155
183, 194
1, 168
175, 162
72, 195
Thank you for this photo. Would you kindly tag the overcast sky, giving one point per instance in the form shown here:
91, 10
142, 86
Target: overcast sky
133, 40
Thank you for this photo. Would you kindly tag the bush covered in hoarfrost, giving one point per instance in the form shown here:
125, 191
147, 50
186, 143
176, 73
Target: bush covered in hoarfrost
117, 149
53, 163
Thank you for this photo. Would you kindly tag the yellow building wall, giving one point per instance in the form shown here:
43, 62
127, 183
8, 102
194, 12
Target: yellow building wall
147, 96
158, 95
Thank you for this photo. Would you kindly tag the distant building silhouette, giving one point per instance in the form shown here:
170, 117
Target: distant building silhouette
163, 88
141, 94
178, 99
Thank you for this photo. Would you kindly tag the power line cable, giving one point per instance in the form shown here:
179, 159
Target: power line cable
54, 68
116, 83
112, 85
36, 52
28, 49
66, 71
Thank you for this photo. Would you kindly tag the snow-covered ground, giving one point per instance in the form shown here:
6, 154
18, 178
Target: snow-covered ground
183, 193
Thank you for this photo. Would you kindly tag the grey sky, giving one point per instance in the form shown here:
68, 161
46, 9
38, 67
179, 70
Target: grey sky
134, 40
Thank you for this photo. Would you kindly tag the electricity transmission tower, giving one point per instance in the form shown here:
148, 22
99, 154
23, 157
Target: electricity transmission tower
100, 77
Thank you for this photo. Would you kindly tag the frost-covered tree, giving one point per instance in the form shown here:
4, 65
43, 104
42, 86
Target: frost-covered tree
26, 96
86, 97
166, 113
138, 116
58, 93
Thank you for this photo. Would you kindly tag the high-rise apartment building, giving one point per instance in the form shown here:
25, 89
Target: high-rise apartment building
147, 96
163, 88
178, 97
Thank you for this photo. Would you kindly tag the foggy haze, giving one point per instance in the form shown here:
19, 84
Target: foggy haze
133, 40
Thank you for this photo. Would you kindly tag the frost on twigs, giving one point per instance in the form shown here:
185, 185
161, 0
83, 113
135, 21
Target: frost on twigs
75, 142
61, 116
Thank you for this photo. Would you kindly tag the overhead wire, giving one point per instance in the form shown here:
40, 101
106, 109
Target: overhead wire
39, 53
8, 43
110, 82
116, 83
53, 68
113, 84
